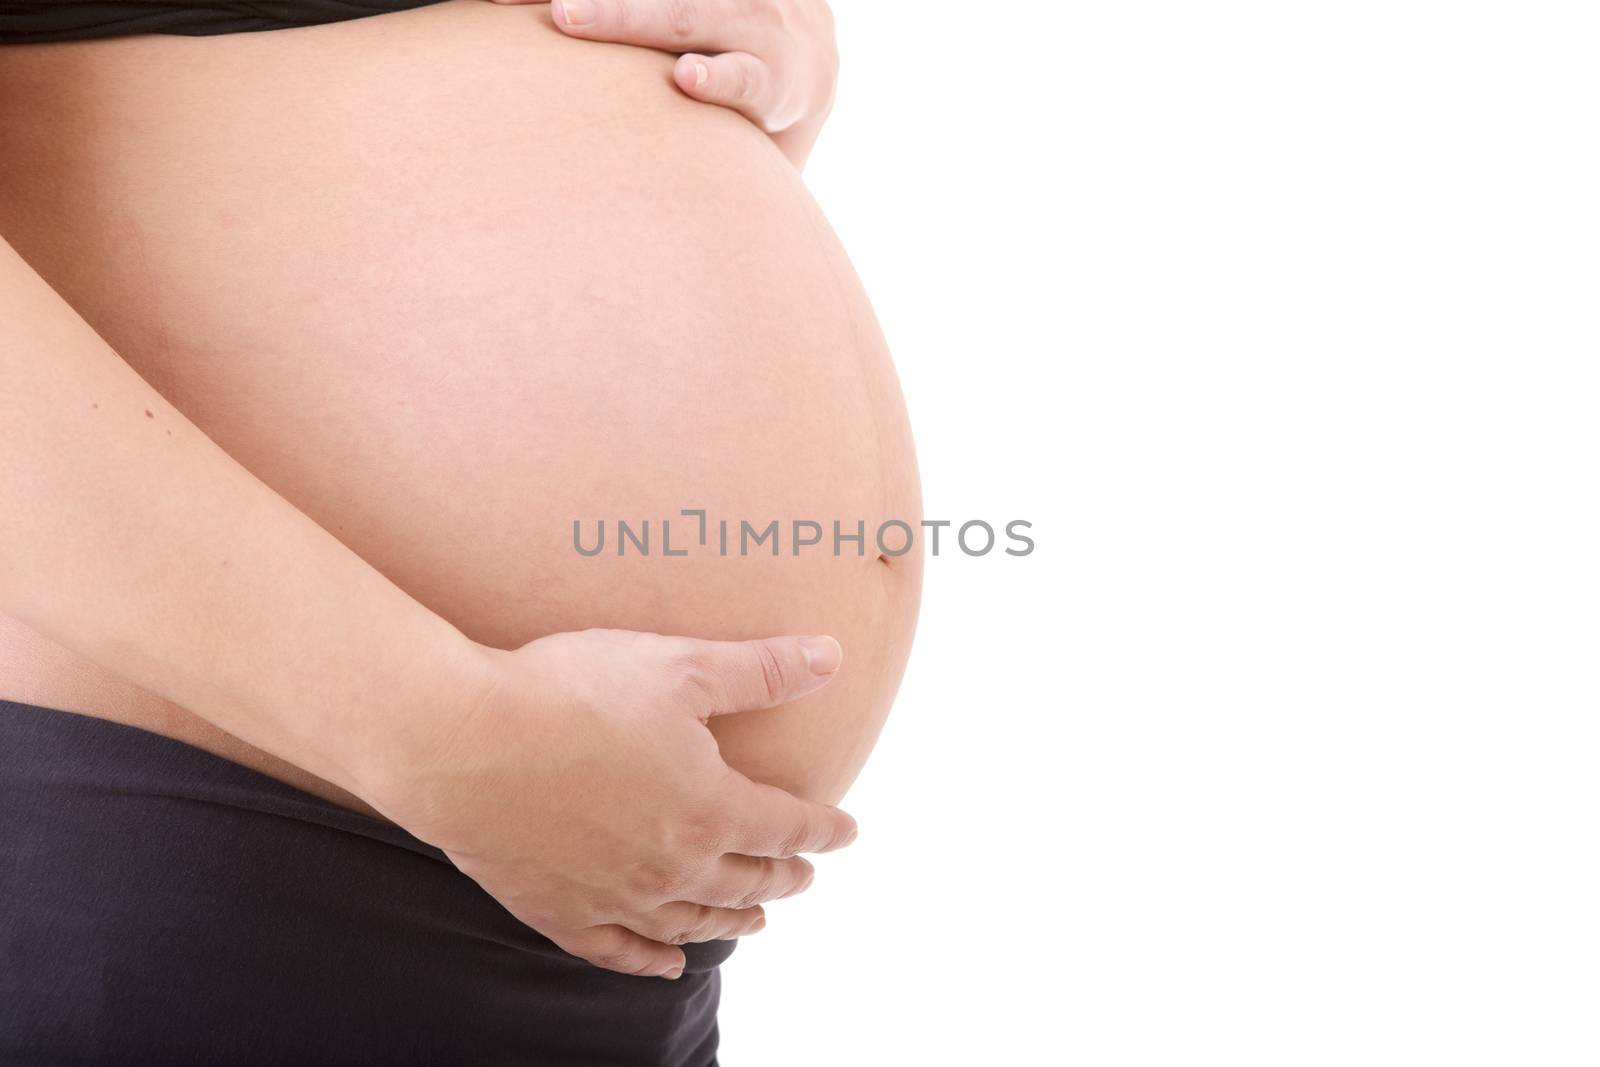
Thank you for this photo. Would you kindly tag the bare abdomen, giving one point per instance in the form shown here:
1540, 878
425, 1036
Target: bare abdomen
451, 282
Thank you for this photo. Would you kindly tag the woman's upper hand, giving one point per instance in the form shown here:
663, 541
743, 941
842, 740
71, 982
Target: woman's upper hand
583, 791
773, 61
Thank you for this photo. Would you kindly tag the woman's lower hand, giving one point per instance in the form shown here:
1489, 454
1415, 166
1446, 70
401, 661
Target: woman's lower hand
585, 793
773, 61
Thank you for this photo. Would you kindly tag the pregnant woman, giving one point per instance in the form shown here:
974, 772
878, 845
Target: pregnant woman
320, 738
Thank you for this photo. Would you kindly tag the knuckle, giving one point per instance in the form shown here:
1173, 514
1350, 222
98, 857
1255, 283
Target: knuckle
761, 891
608, 949
749, 91
653, 881
694, 676
610, 960
794, 840
768, 16
702, 685
704, 832
702, 929
681, 19
679, 924
772, 671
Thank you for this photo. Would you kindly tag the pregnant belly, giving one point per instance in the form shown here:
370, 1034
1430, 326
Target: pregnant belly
451, 283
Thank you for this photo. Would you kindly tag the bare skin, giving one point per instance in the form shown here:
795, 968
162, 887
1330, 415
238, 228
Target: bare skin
772, 61
439, 318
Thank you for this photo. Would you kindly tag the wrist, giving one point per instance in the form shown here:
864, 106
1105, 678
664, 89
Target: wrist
417, 718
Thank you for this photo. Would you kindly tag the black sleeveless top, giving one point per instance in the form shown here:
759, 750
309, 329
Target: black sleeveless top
24, 21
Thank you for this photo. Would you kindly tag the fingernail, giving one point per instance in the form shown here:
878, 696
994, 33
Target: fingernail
701, 73
823, 654
674, 974
760, 923
854, 830
575, 12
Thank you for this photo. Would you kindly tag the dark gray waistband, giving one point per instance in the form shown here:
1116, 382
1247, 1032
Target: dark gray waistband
159, 904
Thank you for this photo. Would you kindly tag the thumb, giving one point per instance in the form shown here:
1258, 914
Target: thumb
749, 675
736, 80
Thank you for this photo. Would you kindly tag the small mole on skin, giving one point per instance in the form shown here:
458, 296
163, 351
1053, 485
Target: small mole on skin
169, 433
147, 414
95, 406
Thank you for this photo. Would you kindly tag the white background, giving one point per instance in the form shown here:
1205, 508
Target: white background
1279, 321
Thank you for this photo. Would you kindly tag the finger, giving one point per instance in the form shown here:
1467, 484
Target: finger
778, 824
615, 949
670, 25
740, 882
736, 80
748, 675
682, 923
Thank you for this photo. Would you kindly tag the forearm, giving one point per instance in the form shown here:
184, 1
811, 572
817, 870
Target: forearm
128, 536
